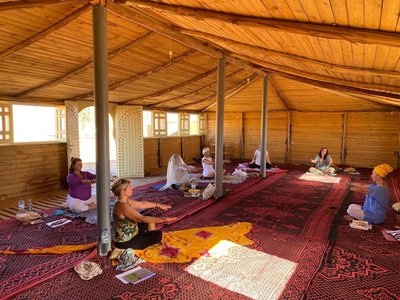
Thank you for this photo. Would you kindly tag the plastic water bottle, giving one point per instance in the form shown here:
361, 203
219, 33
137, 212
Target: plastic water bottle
29, 205
105, 239
21, 205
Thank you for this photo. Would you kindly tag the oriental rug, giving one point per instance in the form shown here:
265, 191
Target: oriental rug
279, 265
281, 209
360, 264
280, 202
21, 272
183, 206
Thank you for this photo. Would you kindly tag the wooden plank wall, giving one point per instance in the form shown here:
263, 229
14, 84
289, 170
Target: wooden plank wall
368, 138
242, 134
151, 156
313, 130
157, 151
32, 169
372, 138
276, 135
232, 134
191, 146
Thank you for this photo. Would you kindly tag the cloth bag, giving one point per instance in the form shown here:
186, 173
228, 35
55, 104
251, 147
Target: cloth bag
208, 191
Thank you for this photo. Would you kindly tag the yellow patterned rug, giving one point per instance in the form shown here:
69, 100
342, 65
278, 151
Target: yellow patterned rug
184, 245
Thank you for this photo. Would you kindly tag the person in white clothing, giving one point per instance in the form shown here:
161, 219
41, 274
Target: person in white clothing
208, 164
256, 161
177, 172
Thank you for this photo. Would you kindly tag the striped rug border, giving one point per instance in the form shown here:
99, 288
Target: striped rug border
50, 202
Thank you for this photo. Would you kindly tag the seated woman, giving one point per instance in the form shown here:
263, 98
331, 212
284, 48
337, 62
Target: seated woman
80, 191
132, 229
208, 164
376, 201
256, 161
177, 172
323, 163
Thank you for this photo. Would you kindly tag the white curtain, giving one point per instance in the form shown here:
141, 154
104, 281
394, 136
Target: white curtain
129, 141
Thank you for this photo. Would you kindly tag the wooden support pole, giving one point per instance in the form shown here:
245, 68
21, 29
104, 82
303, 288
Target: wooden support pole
99, 16
219, 135
264, 124
344, 133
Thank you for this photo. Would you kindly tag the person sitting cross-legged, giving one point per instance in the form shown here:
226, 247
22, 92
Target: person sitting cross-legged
131, 228
177, 173
376, 200
323, 163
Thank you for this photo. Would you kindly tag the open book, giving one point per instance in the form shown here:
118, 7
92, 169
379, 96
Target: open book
135, 275
363, 225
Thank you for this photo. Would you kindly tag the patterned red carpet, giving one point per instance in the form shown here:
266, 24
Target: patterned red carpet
20, 272
361, 264
183, 206
290, 229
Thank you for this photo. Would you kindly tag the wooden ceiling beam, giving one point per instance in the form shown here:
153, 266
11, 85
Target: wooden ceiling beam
31, 100
273, 85
367, 87
353, 35
155, 105
18, 4
163, 29
88, 65
231, 92
337, 87
172, 32
45, 32
265, 53
135, 77
175, 87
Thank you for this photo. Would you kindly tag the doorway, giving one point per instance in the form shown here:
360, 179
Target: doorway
87, 141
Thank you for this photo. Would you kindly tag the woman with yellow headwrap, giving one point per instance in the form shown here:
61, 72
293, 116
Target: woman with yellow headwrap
377, 199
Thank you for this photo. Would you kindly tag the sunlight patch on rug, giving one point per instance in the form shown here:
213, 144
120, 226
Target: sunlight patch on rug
320, 178
249, 272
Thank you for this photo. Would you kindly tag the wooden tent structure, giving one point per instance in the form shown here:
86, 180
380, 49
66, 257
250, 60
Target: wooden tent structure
333, 72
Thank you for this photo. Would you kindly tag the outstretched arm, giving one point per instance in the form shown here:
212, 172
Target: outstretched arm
147, 204
131, 213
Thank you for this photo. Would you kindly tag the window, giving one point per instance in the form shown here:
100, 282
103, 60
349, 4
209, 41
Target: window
184, 124
203, 124
5, 123
194, 124
159, 124
45, 123
147, 123
172, 124
61, 131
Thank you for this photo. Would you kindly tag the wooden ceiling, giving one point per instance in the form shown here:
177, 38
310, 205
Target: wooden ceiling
331, 55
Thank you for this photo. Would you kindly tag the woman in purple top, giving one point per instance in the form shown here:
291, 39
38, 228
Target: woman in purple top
80, 190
